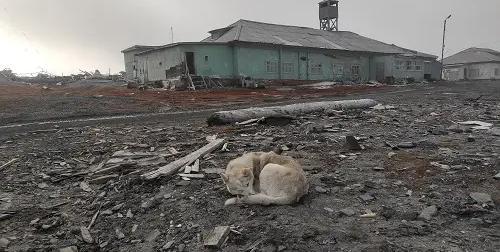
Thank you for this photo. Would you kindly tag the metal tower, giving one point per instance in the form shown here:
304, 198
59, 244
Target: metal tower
329, 15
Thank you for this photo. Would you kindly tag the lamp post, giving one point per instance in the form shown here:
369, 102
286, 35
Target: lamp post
442, 50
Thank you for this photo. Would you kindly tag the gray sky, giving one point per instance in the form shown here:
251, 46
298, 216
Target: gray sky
62, 36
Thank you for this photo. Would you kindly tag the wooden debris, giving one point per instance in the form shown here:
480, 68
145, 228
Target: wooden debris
85, 187
368, 214
217, 237
196, 166
199, 176
251, 121
8, 163
180, 163
94, 218
86, 236
103, 179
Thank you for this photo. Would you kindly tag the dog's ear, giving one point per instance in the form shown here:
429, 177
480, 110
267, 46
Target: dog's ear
247, 172
224, 177
278, 150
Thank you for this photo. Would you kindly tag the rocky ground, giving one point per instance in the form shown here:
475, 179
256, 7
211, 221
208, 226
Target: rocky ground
420, 182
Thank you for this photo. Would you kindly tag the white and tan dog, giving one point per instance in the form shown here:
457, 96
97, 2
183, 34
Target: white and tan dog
265, 179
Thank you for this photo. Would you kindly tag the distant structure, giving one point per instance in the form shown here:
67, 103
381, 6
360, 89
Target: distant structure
473, 64
329, 15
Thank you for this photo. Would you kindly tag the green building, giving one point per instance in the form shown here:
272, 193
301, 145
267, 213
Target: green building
265, 51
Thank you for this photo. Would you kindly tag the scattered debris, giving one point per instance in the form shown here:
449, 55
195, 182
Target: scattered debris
119, 234
478, 125
8, 163
69, 249
497, 177
481, 198
351, 143
4, 243
368, 214
428, 213
347, 212
180, 163
407, 145
86, 235
217, 237
382, 107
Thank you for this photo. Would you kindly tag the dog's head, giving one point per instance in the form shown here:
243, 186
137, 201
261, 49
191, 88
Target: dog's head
239, 181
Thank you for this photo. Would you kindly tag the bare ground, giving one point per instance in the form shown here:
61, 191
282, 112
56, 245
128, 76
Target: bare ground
444, 167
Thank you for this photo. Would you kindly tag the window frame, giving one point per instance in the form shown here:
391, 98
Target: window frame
271, 66
358, 67
288, 68
317, 68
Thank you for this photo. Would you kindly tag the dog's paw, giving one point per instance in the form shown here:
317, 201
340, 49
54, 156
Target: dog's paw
231, 201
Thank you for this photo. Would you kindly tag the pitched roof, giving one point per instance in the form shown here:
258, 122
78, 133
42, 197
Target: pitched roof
473, 55
257, 32
139, 47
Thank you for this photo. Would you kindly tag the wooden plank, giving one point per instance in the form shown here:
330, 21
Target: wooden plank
180, 163
217, 237
196, 166
8, 163
198, 176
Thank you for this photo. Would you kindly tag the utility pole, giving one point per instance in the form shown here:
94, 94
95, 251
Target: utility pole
442, 50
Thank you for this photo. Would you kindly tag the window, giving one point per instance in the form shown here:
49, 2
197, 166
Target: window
409, 65
355, 69
161, 63
418, 67
316, 69
398, 65
474, 73
206, 58
271, 67
497, 71
288, 68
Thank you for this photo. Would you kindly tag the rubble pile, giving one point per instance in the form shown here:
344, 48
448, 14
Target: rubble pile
413, 173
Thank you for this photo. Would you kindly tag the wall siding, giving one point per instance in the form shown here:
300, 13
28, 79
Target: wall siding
486, 72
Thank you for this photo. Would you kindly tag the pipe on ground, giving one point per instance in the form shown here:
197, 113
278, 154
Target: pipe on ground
234, 116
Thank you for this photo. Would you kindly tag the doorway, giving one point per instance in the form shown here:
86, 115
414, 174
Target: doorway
190, 63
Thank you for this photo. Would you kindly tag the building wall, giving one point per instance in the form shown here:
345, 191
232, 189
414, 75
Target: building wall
209, 60
479, 71
130, 59
273, 63
433, 69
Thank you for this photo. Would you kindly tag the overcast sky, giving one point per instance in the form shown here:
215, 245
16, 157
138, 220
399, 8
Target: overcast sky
63, 36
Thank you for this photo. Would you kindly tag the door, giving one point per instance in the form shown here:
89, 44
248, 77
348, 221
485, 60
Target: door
338, 72
303, 66
380, 72
190, 63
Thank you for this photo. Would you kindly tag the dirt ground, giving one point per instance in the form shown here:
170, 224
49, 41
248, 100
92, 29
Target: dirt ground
56, 185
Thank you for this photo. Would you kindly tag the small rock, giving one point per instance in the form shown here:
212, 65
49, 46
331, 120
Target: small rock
347, 212
181, 247
134, 228
481, 198
471, 139
119, 234
130, 214
168, 245
329, 209
43, 185
153, 235
366, 197
69, 249
4, 243
476, 221
378, 168
428, 213
407, 145
391, 154
86, 235
85, 187
320, 189
281, 248
119, 215
352, 144
217, 237
497, 177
